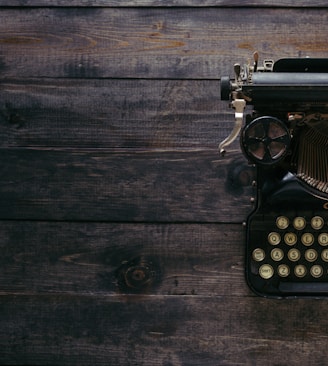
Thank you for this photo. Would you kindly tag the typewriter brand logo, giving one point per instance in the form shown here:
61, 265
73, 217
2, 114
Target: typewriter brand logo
325, 206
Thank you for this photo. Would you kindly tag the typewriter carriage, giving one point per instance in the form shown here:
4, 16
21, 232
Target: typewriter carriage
288, 126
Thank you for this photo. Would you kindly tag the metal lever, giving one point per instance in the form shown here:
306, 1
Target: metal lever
239, 106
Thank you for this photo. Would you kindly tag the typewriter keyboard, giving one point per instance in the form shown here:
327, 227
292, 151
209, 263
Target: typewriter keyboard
291, 248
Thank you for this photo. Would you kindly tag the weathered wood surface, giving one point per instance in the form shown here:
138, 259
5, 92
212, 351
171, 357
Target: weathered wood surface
152, 114
120, 235
140, 186
176, 43
166, 3
161, 330
108, 259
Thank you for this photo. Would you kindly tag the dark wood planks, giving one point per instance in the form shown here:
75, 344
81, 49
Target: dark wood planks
178, 43
106, 259
145, 290
167, 3
196, 186
161, 330
153, 114
161, 183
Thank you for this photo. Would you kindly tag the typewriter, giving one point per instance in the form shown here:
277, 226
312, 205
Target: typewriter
281, 115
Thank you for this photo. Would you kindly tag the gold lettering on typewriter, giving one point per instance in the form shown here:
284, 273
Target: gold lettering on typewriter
311, 255
274, 238
317, 222
300, 270
323, 239
299, 223
316, 271
283, 270
294, 255
307, 239
277, 254
324, 255
258, 254
266, 271
282, 222
290, 238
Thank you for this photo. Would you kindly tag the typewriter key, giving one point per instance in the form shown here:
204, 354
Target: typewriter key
324, 255
300, 270
282, 222
294, 255
307, 239
290, 238
258, 255
311, 255
283, 270
299, 223
277, 254
323, 239
266, 271
317, 222
316, 271
274, 238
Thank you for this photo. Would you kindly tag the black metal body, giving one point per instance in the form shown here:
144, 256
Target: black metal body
292, 260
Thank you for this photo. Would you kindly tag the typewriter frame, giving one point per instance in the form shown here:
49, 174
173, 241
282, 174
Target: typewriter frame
283, 258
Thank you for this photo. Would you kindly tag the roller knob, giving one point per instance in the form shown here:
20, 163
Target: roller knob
225, 88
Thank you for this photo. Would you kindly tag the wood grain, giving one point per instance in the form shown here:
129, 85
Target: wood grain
153, 114
106, 259
121, 234
161, 330
144, 186
175, 43
167, 3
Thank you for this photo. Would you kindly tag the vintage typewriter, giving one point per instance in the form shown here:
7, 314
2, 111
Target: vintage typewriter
285, 135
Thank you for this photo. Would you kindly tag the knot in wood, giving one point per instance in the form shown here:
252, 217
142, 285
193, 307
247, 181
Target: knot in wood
138, 275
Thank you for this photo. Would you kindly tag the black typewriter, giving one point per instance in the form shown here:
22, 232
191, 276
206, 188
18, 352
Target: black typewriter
285, 135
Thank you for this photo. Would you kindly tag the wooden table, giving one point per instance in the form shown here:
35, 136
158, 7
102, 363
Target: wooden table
121, 236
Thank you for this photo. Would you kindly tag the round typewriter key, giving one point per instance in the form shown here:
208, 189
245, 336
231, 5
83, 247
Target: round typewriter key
316, 271
311, 255
277, 254
324, 255
294, 255
307, 239
317, 222
323, 239
290, 238
258, 254
282, 222
274, 238
299, 223
283, 270
266, 271
300, 270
